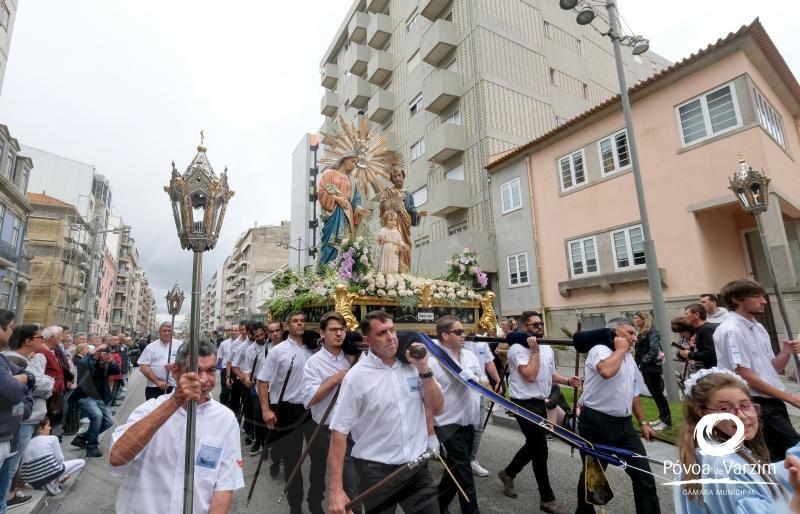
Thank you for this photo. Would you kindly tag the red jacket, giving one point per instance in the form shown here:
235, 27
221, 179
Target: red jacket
53, 369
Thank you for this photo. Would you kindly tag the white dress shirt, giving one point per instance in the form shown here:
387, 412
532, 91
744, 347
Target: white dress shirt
223, 351
462, 405
518, 386
254, 355
741, 342
320, 367
155, 356
381, 407
612, 396
154, 478
276, 366
241, 351
481, 351
236, 345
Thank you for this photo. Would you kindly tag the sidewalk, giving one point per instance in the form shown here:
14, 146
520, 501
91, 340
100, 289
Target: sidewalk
41, 499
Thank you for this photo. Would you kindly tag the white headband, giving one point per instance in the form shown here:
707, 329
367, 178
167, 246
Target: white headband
695, 377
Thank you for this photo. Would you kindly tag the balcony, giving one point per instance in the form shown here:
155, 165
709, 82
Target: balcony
329, 104
432, 9
379, 30
446, 141
380, 67
448, 197
328, 127
443, 89
357, 58
357, 28
359, 92
376, 5
381, 106
329, 75
437, 43
480, 242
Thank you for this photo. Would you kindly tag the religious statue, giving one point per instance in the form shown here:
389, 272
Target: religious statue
391, 244
341, 206
401, 202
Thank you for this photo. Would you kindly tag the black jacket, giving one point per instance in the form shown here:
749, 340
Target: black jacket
704, 351
16, 400
648, 346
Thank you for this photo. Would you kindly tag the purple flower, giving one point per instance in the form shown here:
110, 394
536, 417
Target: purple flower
464, 259
483, 280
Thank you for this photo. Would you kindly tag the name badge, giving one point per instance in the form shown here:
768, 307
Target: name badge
414, 384
208, 457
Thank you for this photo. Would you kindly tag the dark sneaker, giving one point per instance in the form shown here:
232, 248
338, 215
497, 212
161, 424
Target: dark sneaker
93, 451
19, 499
508, 484
78, 442
553, 507
255, 449
274, 469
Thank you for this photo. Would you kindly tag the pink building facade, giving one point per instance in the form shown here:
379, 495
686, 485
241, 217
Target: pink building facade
583, 244
106, 294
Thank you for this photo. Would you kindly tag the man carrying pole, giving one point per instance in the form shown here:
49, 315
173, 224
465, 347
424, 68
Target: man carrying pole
382, 405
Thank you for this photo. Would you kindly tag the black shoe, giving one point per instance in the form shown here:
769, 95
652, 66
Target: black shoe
93, 451
19, 499
78, 442
255, 449
274, 469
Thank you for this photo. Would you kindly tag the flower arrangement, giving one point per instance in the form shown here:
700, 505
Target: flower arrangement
408, 288
354, 260
294, 291
464, 269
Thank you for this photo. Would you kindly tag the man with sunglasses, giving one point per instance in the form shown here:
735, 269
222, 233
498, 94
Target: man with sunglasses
532, 372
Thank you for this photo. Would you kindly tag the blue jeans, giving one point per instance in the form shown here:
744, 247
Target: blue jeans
100, 419
11, 464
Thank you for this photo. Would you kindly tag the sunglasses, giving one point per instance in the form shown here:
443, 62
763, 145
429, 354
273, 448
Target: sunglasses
458, 332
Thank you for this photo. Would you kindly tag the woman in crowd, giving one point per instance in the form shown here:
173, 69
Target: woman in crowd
648, 357
748, 483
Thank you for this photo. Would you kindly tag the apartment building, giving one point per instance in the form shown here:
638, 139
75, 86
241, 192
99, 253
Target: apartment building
569, 232
258, 252
452, 82
8, 15
105, 304
123, 314
305, 211
211, 306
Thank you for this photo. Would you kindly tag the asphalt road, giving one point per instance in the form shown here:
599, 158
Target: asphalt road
94, 491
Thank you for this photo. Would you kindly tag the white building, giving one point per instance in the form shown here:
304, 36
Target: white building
304, 210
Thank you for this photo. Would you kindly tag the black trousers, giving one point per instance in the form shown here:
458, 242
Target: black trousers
415, 493
155, 392
225, 391
779, 434
457, 442
237, 397
251, 411
654, 380
534, 450
256, 417
600, 428
289, 443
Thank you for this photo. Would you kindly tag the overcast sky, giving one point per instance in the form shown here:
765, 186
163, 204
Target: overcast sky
127, 86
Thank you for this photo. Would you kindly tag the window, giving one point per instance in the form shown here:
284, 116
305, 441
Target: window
579, 46
457, 228
571, 169
415, 60
708, 115
769, 118
585, 91
2, 216
583, 256
418, 149
614, 152
547, 30
454, 119
423, 241
456, 173
553, 78
510, 196
5, 294
628, 247
15, 232
518, 270
415, 105
420, 196
9, 169
412, 22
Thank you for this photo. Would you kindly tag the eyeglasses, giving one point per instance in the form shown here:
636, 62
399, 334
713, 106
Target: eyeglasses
747, 408
37, 337
534, 324
458, 331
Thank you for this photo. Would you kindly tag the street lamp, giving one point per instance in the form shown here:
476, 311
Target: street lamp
199, 200
174, 302
751, 188
640, 45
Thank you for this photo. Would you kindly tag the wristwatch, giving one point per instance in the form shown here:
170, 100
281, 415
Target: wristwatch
429, 374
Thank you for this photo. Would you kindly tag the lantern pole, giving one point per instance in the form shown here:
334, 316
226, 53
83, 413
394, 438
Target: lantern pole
194, 342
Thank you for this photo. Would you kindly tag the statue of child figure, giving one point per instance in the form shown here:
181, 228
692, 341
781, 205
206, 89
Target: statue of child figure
391, 243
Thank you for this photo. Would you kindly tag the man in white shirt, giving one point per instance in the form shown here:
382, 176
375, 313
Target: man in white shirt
714, 314
462, 410
237, 389
382, 404
287, 421
531, 374
484, 354
249, 365
154, 362
237, 361
275, 334
610, 394
149, 449
223, 352
743, 345
322, 377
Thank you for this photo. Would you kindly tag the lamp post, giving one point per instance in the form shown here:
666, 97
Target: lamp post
199, 200
174, 301
751, 188
640, 45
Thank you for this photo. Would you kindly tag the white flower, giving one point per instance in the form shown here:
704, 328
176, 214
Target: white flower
417, 291
371, 288
381, 292
451, 296
438, 296
362, 291
364, 260
392, 293
473, 270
